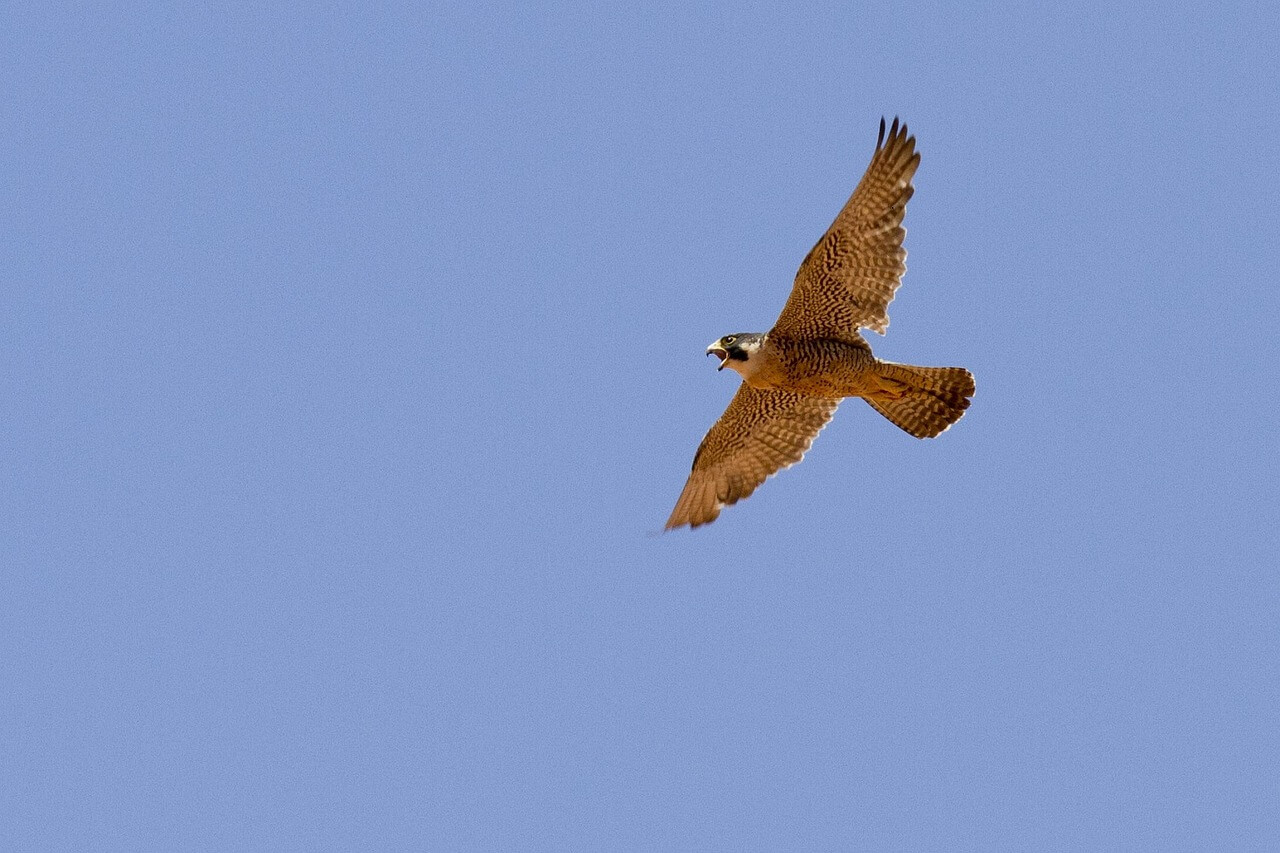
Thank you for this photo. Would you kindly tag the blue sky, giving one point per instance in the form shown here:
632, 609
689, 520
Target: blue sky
353, 358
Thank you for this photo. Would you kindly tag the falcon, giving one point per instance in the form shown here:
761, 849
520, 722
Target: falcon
795, 375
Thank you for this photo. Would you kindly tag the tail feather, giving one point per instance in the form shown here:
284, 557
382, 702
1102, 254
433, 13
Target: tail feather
924, 401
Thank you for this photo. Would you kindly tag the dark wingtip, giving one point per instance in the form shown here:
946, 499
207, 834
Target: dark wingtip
896, 130
898, 135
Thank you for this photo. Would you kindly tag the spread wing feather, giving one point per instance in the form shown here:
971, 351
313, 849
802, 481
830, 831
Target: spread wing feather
760, 433
848, 279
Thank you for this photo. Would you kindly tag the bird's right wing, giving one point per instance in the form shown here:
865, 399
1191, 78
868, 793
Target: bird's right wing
760, 433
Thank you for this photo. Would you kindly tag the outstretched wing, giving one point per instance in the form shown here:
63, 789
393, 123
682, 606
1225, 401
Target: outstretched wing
848, 279
760, 433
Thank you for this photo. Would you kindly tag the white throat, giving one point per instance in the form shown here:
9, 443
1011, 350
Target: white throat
743, 368
747, 369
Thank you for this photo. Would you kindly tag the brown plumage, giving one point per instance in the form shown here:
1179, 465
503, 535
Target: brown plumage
795, 375
848, 279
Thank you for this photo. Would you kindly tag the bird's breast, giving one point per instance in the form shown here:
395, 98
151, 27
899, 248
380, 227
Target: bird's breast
819, 367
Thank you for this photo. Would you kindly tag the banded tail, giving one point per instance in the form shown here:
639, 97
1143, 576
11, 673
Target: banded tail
924, 401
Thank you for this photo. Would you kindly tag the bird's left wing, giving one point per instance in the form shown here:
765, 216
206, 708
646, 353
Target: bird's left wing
760, 433
848, 279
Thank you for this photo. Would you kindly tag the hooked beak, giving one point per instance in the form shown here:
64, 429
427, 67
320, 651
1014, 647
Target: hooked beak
720, 353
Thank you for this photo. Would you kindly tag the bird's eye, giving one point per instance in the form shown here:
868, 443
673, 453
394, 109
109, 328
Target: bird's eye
730, 339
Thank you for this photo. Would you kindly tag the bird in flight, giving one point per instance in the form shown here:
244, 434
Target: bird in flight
794, 375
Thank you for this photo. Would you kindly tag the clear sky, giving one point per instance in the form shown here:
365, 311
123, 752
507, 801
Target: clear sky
352, 358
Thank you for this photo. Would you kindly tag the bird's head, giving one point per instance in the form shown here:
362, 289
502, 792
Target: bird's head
735, 351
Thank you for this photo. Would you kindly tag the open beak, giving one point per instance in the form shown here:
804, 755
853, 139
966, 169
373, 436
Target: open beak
720, 353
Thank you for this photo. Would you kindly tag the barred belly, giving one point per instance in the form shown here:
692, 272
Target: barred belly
823, 368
